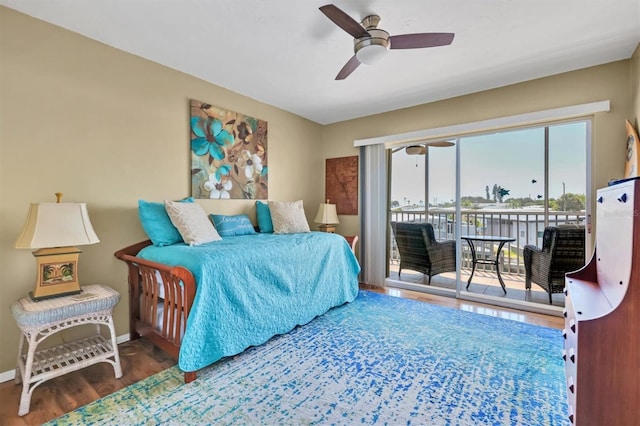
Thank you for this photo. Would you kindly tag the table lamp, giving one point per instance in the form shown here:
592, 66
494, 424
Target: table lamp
55, 229
327, 217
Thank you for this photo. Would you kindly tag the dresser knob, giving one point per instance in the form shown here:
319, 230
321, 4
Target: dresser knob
600, 199
564, 312
623, 198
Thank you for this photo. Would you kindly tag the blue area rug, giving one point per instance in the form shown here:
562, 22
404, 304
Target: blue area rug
377, 360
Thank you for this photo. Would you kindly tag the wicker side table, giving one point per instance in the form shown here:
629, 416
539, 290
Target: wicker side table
39, 320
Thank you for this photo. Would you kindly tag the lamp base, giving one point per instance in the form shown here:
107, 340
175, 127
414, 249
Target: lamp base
57, 272
327, 228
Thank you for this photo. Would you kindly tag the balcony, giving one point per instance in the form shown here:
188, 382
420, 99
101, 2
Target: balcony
525, 226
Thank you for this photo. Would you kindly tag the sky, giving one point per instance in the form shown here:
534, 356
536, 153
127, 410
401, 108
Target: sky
511, 159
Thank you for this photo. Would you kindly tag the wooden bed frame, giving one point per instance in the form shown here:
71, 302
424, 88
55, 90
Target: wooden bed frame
143, 301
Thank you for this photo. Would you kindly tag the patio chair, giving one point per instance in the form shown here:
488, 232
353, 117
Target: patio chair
562, 251
419, 251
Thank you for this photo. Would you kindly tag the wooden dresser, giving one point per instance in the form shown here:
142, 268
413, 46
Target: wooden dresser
602, 325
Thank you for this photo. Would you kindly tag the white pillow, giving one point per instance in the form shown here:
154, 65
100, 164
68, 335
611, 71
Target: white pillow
288, 217
192, 222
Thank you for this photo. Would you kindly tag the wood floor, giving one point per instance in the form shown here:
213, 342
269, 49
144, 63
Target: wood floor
140, 359
479, 308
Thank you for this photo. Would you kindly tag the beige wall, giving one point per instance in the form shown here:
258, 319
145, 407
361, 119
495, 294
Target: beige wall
108, 128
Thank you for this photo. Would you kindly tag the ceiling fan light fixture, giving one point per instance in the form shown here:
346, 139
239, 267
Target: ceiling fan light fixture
370, 50
371, 54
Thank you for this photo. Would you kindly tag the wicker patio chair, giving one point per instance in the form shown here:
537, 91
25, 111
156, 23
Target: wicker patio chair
562, 251
419, 250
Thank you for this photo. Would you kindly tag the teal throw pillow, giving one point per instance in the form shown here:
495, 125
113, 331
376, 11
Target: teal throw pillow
230, 226
263, 216
157, 224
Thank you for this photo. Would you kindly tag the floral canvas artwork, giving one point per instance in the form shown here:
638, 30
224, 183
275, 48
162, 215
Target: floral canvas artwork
228, 154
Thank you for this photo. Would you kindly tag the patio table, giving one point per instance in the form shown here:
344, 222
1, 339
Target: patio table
472, 239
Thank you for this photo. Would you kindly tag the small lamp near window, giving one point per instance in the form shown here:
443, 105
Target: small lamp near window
55, 229
327, 217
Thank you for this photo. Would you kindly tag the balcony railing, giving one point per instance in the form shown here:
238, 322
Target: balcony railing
525, 226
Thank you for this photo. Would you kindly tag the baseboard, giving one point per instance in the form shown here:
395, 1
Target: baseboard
122, 338
7, 375
11, 374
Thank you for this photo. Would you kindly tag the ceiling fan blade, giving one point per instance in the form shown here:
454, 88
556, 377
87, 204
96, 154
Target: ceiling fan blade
348, 68
419, 40
344, 21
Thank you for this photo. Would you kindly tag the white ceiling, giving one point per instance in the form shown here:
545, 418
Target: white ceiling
287, 53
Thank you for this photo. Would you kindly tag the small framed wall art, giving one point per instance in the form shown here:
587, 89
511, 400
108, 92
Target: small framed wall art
341, 184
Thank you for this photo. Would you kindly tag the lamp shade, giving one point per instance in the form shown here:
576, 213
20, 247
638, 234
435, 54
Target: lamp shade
57, 225
327, 214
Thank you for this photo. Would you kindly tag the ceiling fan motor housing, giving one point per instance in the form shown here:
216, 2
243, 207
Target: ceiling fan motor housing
416, 150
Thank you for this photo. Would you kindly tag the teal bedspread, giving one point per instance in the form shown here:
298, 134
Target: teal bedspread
253, 287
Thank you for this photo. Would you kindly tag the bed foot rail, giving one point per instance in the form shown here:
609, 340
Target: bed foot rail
189, 376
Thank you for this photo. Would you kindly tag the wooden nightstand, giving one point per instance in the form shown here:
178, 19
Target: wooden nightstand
352, 240
39, 320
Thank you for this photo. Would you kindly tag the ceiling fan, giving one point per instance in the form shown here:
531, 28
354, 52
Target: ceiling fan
371, 43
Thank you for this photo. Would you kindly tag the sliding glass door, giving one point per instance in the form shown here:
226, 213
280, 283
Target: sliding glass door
501, 176
423, 191
512, 185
